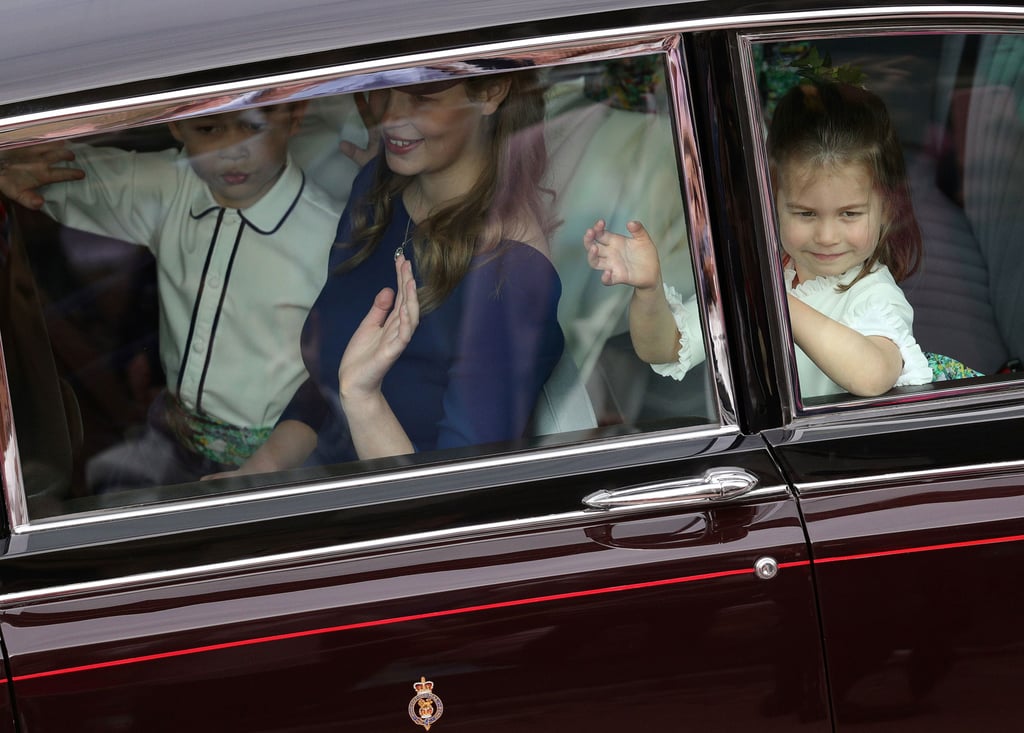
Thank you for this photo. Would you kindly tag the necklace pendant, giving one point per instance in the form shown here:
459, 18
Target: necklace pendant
406, 240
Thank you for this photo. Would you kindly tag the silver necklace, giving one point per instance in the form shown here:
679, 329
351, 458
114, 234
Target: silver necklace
400, 250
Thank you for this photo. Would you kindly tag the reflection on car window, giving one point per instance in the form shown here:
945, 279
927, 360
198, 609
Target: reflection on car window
955, 102
266, 236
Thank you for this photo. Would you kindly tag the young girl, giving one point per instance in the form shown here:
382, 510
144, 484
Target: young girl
849, 235
451, 208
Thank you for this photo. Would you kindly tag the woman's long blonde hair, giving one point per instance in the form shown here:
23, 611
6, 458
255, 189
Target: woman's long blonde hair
499, 206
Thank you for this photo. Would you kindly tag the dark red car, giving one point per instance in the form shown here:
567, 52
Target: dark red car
712, 553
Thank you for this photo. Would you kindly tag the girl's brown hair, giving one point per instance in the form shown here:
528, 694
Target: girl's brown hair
835, 124
499, 206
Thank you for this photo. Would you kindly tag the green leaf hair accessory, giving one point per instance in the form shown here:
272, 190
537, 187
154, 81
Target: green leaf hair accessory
815, 67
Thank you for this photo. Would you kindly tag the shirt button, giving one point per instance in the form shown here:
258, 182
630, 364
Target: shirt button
213, 281
198, 344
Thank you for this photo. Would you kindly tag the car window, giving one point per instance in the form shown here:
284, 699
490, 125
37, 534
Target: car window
119, 357
954, 100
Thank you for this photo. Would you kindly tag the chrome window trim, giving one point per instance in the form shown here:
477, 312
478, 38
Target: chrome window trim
328, 82
898, 409
979, 396
367, 480
698, 228
330, 553
13, 481
972, 472
345, 78
896, 420
785, 356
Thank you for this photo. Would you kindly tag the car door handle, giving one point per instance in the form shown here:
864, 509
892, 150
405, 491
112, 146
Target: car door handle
715, 485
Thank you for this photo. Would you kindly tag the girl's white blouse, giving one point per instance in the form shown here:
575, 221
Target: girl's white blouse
874, 306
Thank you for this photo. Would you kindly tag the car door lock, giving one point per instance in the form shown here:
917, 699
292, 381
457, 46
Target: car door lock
766, 568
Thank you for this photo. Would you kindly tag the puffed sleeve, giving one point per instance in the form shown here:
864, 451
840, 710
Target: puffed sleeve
893, 322
509, 342
691, 340
880, 308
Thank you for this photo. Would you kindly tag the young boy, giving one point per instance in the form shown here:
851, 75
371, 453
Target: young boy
241, 241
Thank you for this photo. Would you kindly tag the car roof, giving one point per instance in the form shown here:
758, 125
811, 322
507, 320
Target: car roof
54, 47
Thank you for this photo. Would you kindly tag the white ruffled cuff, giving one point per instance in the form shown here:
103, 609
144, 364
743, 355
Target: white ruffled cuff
691, 340
882, 320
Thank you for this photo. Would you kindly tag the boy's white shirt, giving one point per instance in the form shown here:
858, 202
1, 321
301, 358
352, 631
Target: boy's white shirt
239, 344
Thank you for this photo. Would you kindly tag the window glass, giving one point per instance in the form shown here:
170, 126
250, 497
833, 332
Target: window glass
135, 370
956, 104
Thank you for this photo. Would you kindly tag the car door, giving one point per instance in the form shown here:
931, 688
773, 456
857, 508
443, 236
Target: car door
546, 620
648, 568
915, 566
914, 502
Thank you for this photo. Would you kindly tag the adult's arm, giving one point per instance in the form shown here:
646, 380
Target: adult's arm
289, 445
508, 346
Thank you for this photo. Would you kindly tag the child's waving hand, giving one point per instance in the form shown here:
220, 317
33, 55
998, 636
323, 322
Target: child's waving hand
623, 260
24, 170
634, 261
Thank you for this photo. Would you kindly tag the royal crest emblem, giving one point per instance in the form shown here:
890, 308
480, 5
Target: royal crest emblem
425, 708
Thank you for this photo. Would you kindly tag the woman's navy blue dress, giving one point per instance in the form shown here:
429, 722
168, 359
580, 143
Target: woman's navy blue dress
475, 365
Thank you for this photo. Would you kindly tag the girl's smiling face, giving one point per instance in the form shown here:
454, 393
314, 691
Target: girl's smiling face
438, 132
830, 217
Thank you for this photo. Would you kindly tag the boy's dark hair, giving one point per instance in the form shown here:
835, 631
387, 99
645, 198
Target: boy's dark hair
836, 124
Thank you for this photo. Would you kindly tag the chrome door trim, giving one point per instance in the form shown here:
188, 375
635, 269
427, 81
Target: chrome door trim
394, 543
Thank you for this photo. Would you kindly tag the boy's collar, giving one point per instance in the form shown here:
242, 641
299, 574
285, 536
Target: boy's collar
267, 214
